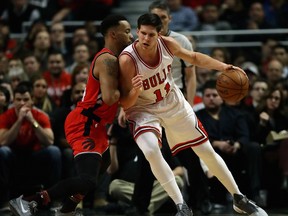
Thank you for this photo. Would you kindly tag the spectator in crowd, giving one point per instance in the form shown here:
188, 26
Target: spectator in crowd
58, 119
42, 47
251, 69
221, 54
8, 45
257, 90
40, 96
16, 73
233, 11
203, 75
31, 65
80, 34
79, 74
125, 168
183, 18
3, 67
231, 142
276, 12
57, 78
274, 72
36, 26
280, 52
256, 17
80, 56
209, 21
58, 39
272, 116
26, 140
197, 5
4, 99
267, 45
19, 11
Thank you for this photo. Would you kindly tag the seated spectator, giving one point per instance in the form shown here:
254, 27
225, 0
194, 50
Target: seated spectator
3, 67
42, 47
229, 136
58, 119
209, 21
18, 12
183, 18
27, 156
234, 12
4, 99
80, 56
31, 65
57, 78
125, 169
16, 73
275, 71
58, 39
8, 45
252, 71
79, 75
280, 52
40, 96
272, 116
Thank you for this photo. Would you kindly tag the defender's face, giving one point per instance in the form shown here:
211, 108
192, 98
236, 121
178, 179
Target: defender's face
147, 36
123, 33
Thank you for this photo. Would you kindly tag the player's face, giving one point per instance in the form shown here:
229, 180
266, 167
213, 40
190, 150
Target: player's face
211, 99
123, 34
165, 19
147, 36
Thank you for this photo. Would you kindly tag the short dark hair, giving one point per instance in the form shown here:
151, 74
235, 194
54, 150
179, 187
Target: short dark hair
110, 21
209, 84
23, 87
159, 5
150, 19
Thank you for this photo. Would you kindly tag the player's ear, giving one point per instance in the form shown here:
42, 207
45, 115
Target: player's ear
169, 18
112, 34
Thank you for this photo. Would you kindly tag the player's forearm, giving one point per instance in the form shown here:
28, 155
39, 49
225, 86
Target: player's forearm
130, 99
206, 61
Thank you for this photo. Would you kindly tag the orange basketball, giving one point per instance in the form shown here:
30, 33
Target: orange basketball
232, 85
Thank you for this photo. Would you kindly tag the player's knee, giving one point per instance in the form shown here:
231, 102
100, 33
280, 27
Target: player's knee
88, 182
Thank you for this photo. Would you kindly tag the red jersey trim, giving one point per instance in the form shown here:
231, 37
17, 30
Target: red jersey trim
143, 62
166, 47
133, 59
103, 51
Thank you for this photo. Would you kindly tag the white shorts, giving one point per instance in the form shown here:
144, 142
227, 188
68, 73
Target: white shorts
174, 113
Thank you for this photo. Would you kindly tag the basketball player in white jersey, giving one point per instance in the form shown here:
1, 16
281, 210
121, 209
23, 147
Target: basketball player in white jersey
151, 100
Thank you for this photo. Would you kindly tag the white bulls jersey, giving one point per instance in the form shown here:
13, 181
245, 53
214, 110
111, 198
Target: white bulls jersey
157, 80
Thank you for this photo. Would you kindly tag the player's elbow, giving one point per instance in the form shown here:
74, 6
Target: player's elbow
111, 98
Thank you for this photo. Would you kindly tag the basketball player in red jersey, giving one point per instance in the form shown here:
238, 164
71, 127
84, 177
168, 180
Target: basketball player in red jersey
151, 100
85, 125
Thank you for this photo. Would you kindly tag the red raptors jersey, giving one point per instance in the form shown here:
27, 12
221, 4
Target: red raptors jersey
92, 97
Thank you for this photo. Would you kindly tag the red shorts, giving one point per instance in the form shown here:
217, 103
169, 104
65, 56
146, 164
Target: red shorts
96, 141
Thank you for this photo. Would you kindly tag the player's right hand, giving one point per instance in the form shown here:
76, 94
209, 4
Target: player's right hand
137, 82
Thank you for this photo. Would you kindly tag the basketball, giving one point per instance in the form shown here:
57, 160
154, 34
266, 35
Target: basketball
232, 85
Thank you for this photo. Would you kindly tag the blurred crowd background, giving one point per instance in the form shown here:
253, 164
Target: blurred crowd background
49, 45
